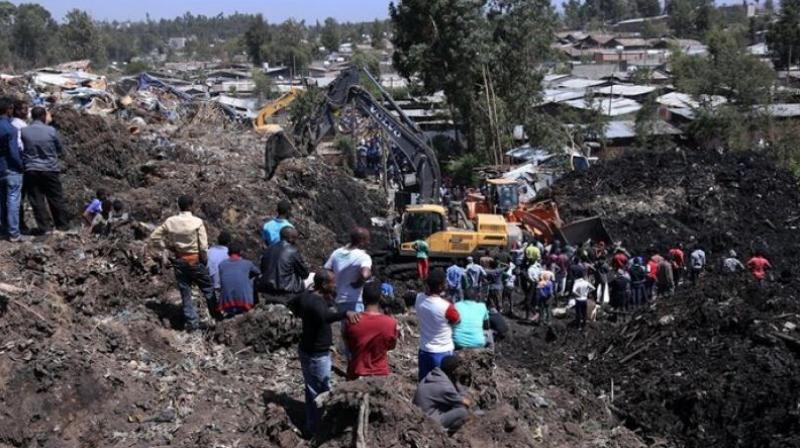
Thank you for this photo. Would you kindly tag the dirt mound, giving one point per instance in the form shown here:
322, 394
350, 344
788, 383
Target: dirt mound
265, 329
738, 201
713, 365
374, 408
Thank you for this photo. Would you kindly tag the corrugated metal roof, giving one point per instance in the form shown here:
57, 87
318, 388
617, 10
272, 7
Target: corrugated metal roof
625, 90
782, 110
612, 107
684, 100
579, 83
559, 95
627, 129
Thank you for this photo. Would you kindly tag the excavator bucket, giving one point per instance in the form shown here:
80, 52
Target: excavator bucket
592, 228
279, 147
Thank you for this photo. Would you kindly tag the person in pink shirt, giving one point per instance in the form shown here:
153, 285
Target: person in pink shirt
758, 266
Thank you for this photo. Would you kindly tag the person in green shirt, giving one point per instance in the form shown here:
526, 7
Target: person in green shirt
421, 247
469, 332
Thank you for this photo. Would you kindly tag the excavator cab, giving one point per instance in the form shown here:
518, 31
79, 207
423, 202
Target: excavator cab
501, 197
421, 222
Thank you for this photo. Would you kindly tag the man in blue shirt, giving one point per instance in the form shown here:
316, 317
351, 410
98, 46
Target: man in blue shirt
455, 277
271, 232
11, 169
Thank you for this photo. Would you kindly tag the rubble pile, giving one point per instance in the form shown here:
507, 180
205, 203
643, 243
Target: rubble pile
713, 365
722, 201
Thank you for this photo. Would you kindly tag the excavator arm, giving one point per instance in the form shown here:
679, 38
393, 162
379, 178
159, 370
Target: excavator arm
270, 109
402, 132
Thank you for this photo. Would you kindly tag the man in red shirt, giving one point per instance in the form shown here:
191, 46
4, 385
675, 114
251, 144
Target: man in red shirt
758, 266
371, 338
652, 274
678, 262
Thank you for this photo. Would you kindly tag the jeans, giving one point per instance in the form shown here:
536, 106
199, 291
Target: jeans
454, 418
429, 361
188, 275
317, 377
11, 185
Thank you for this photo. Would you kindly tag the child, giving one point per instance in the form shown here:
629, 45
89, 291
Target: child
95, 207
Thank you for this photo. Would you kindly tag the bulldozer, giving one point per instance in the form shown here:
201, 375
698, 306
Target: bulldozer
261, 123
539, 218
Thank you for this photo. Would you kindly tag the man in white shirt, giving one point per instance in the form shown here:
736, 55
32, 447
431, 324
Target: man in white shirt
352, 267
581, 289
436, 317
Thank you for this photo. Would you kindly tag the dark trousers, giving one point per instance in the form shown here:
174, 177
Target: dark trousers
580, 312
47, 196
188, 275
638, 294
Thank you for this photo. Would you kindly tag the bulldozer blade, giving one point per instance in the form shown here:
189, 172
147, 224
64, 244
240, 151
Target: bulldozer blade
579, 231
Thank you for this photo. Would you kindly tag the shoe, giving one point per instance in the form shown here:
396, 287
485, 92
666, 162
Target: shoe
19, 239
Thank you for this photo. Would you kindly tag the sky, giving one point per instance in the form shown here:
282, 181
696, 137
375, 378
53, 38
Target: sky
273, 10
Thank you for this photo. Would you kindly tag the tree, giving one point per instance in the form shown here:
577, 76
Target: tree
522, 31
783, 37
648, 8
376, 34
728, 71
444, 43
80, 39
255, 38
7, 11
264, 85
691, 18
330, 36
32, 34
573, 15
289, 46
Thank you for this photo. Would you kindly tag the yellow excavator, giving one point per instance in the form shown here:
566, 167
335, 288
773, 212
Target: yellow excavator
269, 110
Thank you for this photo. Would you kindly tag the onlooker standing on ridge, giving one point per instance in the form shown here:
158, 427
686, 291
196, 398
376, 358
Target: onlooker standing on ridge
185, 236
11, 169
43, 172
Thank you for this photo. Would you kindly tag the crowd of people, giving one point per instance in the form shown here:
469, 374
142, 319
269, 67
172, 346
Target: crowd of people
460, 309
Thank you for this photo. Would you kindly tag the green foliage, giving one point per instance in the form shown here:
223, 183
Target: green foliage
264, 85
304, 106
255, 39
136, 67
80, 39
691, 18
376, 34
288, 46
462, 169
347, 146
485, 55
728, 70
331, 36
32, 34
783, 37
